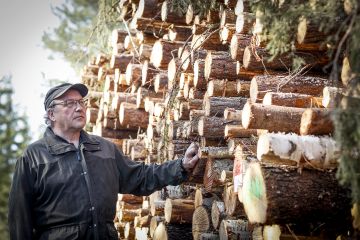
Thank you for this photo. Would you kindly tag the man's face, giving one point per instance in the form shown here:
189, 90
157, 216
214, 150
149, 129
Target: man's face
69, 117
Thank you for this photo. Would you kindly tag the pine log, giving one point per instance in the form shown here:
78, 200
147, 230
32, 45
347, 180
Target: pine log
231, 114
233, 207
177, 147
178, 210
308, 151
208, 42
222, 88
332, 96
226, 177
150, 26
201, 221
215, 106
214, 153
91, 115
129, 231
179, 33
312, 196
235, 229
316, 121
244, 23
120, 61
160, 232
118, 36
160, 82
122, 97
145, 38
148, 73
157, 208
308, 32
238, 44
170, 16
162, 53
148, 9
145, 51
227, 16
133, 73
271, 117
142, 93
203, 198
155, 221
132, 117
211, 127
220, 66
262, 84
248, 143
226, 33
259, 58
213, 170
217, 213
291, 100
242, 6
196, 94
238, 131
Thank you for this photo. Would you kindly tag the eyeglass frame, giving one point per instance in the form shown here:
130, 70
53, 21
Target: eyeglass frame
82, 102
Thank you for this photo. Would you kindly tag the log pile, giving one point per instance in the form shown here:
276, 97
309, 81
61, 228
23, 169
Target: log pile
172, 80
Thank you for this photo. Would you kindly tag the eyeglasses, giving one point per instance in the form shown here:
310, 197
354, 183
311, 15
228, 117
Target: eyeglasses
70, 103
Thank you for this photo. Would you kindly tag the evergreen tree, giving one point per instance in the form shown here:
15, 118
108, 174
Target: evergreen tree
13, 139
82, 31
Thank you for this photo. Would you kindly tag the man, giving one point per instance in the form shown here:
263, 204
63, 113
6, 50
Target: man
65, 185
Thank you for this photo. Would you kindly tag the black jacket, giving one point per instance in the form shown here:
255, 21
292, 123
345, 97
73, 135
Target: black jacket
61, 192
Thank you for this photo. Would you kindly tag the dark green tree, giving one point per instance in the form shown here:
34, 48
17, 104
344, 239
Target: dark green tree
14, 136
83, 30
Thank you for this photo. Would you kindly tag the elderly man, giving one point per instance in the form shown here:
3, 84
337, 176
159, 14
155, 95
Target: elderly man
65, 185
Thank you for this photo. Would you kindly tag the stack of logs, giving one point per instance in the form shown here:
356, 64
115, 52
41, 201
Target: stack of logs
267, 158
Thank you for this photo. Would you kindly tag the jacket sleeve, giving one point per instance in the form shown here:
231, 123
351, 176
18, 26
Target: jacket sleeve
141, 179
20, 218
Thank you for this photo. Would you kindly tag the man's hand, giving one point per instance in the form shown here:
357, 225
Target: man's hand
191, 157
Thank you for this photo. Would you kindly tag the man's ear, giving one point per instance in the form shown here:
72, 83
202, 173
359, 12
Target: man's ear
51, 114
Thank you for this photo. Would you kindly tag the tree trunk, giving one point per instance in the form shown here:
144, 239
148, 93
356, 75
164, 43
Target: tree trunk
262, 84
308, 151
316, 121
238, 131
222, 88
291, 100
132, 117
215, 106
238, 44
273, 118
211, 127
311, 196
162, 53
178, 210
220, 66
121, 61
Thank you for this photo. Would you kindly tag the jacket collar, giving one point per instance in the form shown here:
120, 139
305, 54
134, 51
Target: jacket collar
58, 145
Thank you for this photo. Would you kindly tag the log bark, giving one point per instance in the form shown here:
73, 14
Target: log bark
201, 221
132, 117
160, 82
316, 121
169, 16
212, 175
162, 53
148, 9
231, 114
145, 51
222, 88
220, 66
214, 153
312, 196
208, 42
133, 73
148, 73
179, 33
226, 33
332, 96
120, 61
211, 127
238, 44
308, 32
259, 58
91, 115
273, 118
233, 207
215, 106
262, 84
217, 213
99, 130
291, 100
245, 22
235, 229
238, 131
227, 16
304, 151
178, 210
122, 97
118, 36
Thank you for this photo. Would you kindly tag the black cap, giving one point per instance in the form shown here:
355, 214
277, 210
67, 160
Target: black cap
59, 90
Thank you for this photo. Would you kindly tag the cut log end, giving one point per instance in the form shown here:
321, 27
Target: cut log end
254, 194
156, 54
246, 115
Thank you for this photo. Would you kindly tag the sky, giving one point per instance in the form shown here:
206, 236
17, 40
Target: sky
22, 23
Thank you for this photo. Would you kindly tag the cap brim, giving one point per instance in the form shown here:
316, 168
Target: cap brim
81, 88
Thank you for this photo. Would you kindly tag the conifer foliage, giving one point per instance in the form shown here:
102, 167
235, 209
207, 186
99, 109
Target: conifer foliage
14, 136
